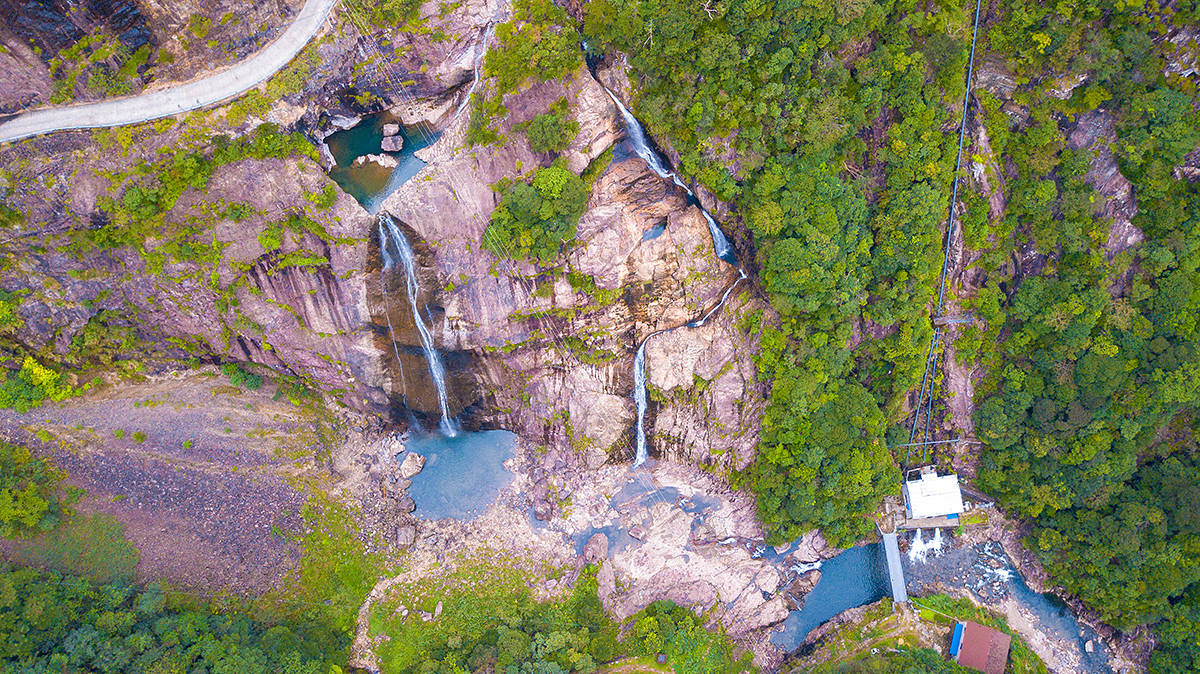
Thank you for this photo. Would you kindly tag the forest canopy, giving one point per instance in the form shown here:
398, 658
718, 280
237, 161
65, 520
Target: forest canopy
831, 129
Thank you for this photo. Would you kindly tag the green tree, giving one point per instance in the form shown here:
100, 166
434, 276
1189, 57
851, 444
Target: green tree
534, 220
553, 131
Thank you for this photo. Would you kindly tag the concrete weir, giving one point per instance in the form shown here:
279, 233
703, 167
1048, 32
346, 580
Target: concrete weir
895, 570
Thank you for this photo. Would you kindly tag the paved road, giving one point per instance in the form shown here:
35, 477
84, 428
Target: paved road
197, 94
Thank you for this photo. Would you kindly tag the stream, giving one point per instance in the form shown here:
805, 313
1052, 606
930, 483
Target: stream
854, 578
640, 145
859, 576
986, 573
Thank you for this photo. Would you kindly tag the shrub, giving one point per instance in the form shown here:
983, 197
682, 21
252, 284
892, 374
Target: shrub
324, 199
25, 389
10, 319
238, 376
553, 131
28, 488
270, 238
534, 220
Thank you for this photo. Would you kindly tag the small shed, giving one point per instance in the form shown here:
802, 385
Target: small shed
979, 647
932, 495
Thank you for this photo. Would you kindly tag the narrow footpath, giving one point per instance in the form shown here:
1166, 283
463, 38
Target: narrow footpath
196, 94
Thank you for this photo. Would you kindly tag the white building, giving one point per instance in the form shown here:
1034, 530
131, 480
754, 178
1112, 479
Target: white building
932, 495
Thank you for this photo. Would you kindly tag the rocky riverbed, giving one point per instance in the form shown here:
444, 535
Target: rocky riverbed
666, 531
984, 572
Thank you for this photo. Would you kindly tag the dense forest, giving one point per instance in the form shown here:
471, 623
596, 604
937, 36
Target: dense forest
50, 622
831, 131
831, 128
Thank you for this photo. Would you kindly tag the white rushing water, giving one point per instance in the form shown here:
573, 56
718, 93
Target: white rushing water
387, 266
724, 298
436, 370
462, 105
805, 567
641, 146
920, 550
721, 246
639, 399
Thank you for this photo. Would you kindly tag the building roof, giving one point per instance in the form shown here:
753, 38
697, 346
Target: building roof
983, 648
933, 495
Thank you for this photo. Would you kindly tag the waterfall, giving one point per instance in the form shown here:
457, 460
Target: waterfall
637, 136
641, 146
721, 247
487, 34
804, 567
919, 550
724, 298
639, 399
387, 266
436, 369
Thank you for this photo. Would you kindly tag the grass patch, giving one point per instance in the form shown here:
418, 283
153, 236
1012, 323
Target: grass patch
1021, 659
333, 577
93, 546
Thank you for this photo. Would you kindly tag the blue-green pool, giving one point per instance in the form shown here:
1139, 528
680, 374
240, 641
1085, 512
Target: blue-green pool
369, 182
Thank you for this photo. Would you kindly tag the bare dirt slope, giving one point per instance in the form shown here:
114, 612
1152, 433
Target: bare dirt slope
208, 494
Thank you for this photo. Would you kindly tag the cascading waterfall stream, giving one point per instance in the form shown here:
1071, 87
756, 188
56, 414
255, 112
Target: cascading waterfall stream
724, 298
387, 266
641, 146
487, 35
436, 370
721, 247
639, 399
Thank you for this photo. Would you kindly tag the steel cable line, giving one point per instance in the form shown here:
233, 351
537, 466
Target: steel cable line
931, 355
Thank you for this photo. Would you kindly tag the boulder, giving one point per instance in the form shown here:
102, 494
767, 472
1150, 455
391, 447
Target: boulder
767, 580
796, 591
805, 582
406, 536
810, 548
406, 504
607, 579
596, 458
390, 129
386, 161
412, 464
596, 548
393, 143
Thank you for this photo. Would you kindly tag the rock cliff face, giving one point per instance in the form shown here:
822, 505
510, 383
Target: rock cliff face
547, 352
1094, 131
309, 321
183, 39
552, 348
